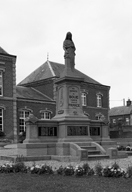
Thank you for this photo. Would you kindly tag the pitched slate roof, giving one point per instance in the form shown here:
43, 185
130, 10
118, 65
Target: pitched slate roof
122, 110
30, 93
3, 51
51, 69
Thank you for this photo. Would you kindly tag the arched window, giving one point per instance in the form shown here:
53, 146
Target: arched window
99, 100
99, 116
84, 99
23, 114
45, 114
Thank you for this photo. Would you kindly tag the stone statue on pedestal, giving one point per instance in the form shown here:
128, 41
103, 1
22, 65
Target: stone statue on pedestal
69, 48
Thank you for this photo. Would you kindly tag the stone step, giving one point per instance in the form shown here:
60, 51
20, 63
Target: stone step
89, 148
97, 157
93, 152
83, 144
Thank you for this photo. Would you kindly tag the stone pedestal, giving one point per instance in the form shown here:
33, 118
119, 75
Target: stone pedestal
105, 133
31, 130
74, 131
73, 124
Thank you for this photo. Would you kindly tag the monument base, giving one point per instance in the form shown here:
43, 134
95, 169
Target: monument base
72, 129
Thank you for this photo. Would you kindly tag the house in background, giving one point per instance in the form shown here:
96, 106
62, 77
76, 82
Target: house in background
37, 94
121, 120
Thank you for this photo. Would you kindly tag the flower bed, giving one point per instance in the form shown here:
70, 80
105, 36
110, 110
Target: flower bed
78, 171
124, 148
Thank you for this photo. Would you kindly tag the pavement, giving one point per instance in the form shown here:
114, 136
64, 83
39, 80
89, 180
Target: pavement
10, 146
8, 150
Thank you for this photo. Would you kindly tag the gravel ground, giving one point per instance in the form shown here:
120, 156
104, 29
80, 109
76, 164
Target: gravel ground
124, 163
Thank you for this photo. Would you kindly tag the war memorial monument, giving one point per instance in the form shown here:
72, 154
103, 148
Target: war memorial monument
69, 130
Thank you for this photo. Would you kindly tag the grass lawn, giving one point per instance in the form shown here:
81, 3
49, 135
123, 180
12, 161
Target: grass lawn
54, 183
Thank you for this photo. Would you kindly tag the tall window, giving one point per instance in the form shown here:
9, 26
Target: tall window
99, 101
22, 117
46, 114
84, 99
1, 83
127, 121
1, 119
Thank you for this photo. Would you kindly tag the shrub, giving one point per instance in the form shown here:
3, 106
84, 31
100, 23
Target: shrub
19, 167
45, 169
128, 148
128, 172
115, 166
6, 168
86, 168
22, 136
79, 171
113, 171
19, 158
98, 169
121, 148
69, 170
90, 172
2, 134
60, 170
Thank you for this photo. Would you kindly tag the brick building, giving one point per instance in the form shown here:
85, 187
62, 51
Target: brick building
37, 94
121, 120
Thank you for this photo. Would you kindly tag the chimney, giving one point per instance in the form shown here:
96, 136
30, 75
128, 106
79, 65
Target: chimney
128, 102
123, 102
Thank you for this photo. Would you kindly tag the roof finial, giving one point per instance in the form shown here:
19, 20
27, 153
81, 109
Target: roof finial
47, 56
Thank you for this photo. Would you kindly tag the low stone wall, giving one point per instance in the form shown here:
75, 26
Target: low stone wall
54, 149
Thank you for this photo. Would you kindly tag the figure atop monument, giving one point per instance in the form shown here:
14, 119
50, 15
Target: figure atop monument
69, 48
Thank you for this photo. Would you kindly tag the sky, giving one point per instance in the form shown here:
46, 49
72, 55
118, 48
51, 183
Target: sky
101, 31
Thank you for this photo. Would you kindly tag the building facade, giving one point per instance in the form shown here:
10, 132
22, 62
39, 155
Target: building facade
121, 120
37, 94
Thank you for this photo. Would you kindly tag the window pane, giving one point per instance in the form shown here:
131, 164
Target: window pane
21, 122
26, 114
0, 80
21, 128
1, 119
83, 97
99, 101
22, 117
0, 127
21, 113
46, 115
0, 112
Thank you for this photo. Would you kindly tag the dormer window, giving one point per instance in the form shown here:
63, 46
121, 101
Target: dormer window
45, 114
1, 83
99, 116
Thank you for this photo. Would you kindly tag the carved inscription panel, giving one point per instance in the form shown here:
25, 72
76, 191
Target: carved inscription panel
77, 130
74, 101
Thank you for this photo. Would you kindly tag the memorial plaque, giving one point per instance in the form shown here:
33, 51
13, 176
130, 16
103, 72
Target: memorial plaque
77, 130
74, 97
47, 131
94, 131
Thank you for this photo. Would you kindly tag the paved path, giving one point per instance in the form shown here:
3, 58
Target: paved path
12, 150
